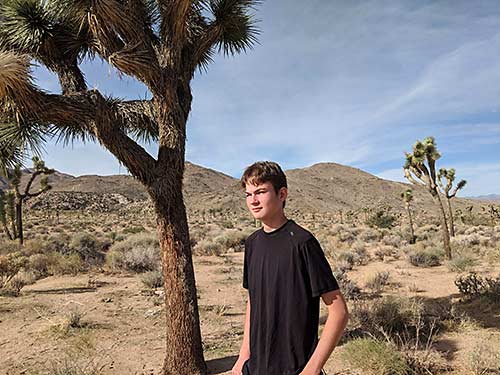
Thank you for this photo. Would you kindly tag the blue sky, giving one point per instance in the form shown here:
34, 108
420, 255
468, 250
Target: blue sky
351, 82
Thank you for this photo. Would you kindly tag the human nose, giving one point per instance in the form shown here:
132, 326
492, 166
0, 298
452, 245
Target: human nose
253, 198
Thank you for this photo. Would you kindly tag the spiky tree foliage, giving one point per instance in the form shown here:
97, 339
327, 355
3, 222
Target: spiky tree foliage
407, 197
420, 169
15, 198
446, 187
161, 43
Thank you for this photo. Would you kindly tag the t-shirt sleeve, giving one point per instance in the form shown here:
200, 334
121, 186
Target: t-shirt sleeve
245, 266
320, 273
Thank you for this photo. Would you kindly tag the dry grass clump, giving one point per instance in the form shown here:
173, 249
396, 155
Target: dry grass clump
383, 252
138, 253
152, 279
461, 263
483, 359
377, 282
389, 314
392, 240
375, 357
369, 235
208, 247
426, 232
350, 290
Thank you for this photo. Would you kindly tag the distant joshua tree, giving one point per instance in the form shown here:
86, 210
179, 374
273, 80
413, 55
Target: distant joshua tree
425, 174
449, 176
11, 201
407, 199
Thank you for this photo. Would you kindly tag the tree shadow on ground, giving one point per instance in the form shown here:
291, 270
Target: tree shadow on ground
221, 365
484, 313
76, 289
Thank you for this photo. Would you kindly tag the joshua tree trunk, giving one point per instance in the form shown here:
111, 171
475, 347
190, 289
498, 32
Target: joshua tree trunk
183, 337
412, 232
19, 220
452, 226
444, 227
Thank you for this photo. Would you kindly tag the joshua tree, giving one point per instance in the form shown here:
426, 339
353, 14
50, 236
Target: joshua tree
161, 43
15, 198
449, 176
407, 199
425, 174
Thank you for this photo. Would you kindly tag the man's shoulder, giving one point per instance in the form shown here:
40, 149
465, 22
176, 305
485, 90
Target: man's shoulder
299, 233
251, 237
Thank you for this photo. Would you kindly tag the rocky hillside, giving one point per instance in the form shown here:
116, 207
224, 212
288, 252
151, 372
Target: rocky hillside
319, 189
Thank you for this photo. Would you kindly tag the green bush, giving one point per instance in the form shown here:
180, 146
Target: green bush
375, 357
381, 219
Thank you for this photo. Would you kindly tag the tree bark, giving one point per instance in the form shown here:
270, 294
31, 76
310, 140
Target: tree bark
444, 226
452, 224
412, 232
19, 220
184, 354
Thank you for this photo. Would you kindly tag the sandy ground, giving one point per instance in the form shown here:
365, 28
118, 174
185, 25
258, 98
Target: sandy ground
123, 323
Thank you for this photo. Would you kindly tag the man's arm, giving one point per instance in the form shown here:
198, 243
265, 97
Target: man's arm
245, 345
332, 332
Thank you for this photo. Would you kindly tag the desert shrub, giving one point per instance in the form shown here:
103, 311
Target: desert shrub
427, 231
362, 256
40, 264
384, 251
68, 264
134, 229
369, 235
392, 315
88, 248
392, 240
484, 359
233, 238
58, 243
7, 247
378, 281
381, 219
208, 247
31, 247
473, 285
152, 279
350, 290
138, 253
10, 265
425, 258
375, 357
461, 263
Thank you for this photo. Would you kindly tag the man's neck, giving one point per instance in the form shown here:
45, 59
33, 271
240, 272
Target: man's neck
275, 223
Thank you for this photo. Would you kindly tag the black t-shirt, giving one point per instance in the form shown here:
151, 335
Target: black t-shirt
285, 272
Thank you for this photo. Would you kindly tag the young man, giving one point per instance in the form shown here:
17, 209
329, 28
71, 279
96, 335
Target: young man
286, 273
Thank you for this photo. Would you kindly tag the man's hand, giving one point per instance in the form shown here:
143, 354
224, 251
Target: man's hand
238, 366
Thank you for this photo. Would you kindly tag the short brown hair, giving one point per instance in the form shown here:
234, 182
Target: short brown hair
264, 171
